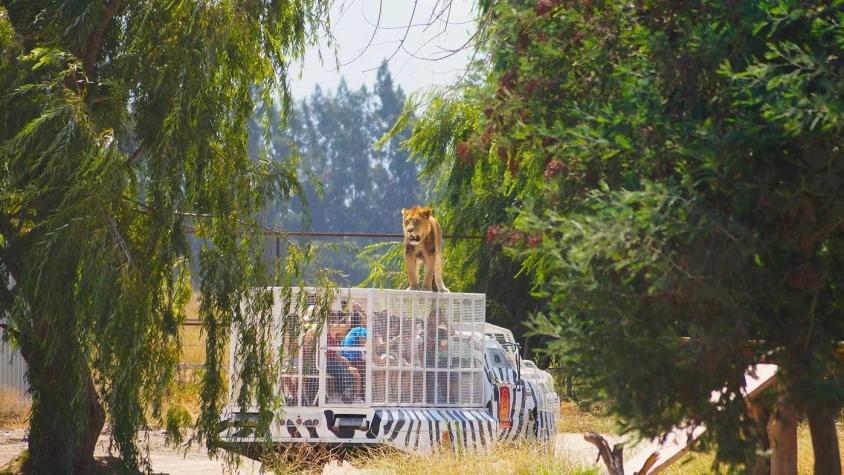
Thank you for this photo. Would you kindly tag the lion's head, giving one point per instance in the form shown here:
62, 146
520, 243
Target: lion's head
416, 224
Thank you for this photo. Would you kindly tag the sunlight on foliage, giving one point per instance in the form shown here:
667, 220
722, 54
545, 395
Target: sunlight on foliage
125, 124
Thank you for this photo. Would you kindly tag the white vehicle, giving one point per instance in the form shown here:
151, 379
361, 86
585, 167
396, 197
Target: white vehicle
545, 382
529, 370
503, 336
408, 369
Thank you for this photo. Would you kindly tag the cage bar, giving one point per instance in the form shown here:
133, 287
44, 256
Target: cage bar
377, 347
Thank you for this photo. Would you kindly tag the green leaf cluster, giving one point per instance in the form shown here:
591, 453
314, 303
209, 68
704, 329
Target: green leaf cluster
669, 176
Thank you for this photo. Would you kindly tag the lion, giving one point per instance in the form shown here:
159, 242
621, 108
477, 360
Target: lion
423, 242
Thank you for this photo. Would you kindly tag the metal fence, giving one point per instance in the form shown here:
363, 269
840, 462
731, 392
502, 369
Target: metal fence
12, 368
382, 348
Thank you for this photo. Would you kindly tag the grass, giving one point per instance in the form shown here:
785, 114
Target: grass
18, 465
522, 458
526, 457
532, 457
183, 394
14, 408
305, 459
193, 344
575, 419
700, 463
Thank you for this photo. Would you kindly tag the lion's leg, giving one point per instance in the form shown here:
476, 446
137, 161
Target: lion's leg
429, 273
412, 271
438, 271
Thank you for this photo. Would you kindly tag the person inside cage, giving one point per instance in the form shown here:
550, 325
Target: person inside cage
354, 341
346, 381
386, 336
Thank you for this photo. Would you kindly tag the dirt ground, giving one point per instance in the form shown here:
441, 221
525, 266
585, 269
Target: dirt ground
165, 460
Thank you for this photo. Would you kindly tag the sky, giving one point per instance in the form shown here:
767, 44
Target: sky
422, 60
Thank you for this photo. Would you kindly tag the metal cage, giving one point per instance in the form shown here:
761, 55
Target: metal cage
377, 347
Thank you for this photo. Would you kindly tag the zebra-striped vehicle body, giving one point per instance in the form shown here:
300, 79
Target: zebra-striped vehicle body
466, 397
531, 416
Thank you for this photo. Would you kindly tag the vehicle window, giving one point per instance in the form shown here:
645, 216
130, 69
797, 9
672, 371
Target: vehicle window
497, 359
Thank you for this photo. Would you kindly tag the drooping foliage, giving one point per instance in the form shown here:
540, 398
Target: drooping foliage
670, 176
121, 123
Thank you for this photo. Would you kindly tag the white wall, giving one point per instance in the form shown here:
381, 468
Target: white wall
12, 367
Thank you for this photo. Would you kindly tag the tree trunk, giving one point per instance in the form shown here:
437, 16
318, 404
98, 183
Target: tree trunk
760, 416
67, 416
824, 442
613, 458
570, 387
782, 434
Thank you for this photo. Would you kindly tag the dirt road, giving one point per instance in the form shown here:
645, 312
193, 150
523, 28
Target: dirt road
165, 460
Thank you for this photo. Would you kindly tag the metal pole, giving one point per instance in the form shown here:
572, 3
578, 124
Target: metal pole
322, 234
369, 358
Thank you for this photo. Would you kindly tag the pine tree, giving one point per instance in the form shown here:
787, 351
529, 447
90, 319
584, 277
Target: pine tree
405, 189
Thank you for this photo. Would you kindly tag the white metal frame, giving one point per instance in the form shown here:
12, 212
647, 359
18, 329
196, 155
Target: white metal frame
401, 383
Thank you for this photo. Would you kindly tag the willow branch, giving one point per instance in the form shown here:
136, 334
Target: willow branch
95, 40
120, 240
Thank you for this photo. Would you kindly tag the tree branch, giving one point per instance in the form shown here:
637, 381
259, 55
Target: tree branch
137, 153
612, 458
120, 241
95, 40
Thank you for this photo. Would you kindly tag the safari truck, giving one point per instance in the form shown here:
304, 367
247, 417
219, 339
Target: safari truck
408, 369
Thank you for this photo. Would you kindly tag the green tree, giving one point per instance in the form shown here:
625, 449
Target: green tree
342, 138
670, 176
121, 123
336, 134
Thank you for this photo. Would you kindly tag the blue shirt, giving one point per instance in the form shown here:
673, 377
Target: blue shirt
355, 337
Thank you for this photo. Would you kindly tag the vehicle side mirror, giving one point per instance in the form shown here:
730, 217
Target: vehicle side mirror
519, 363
